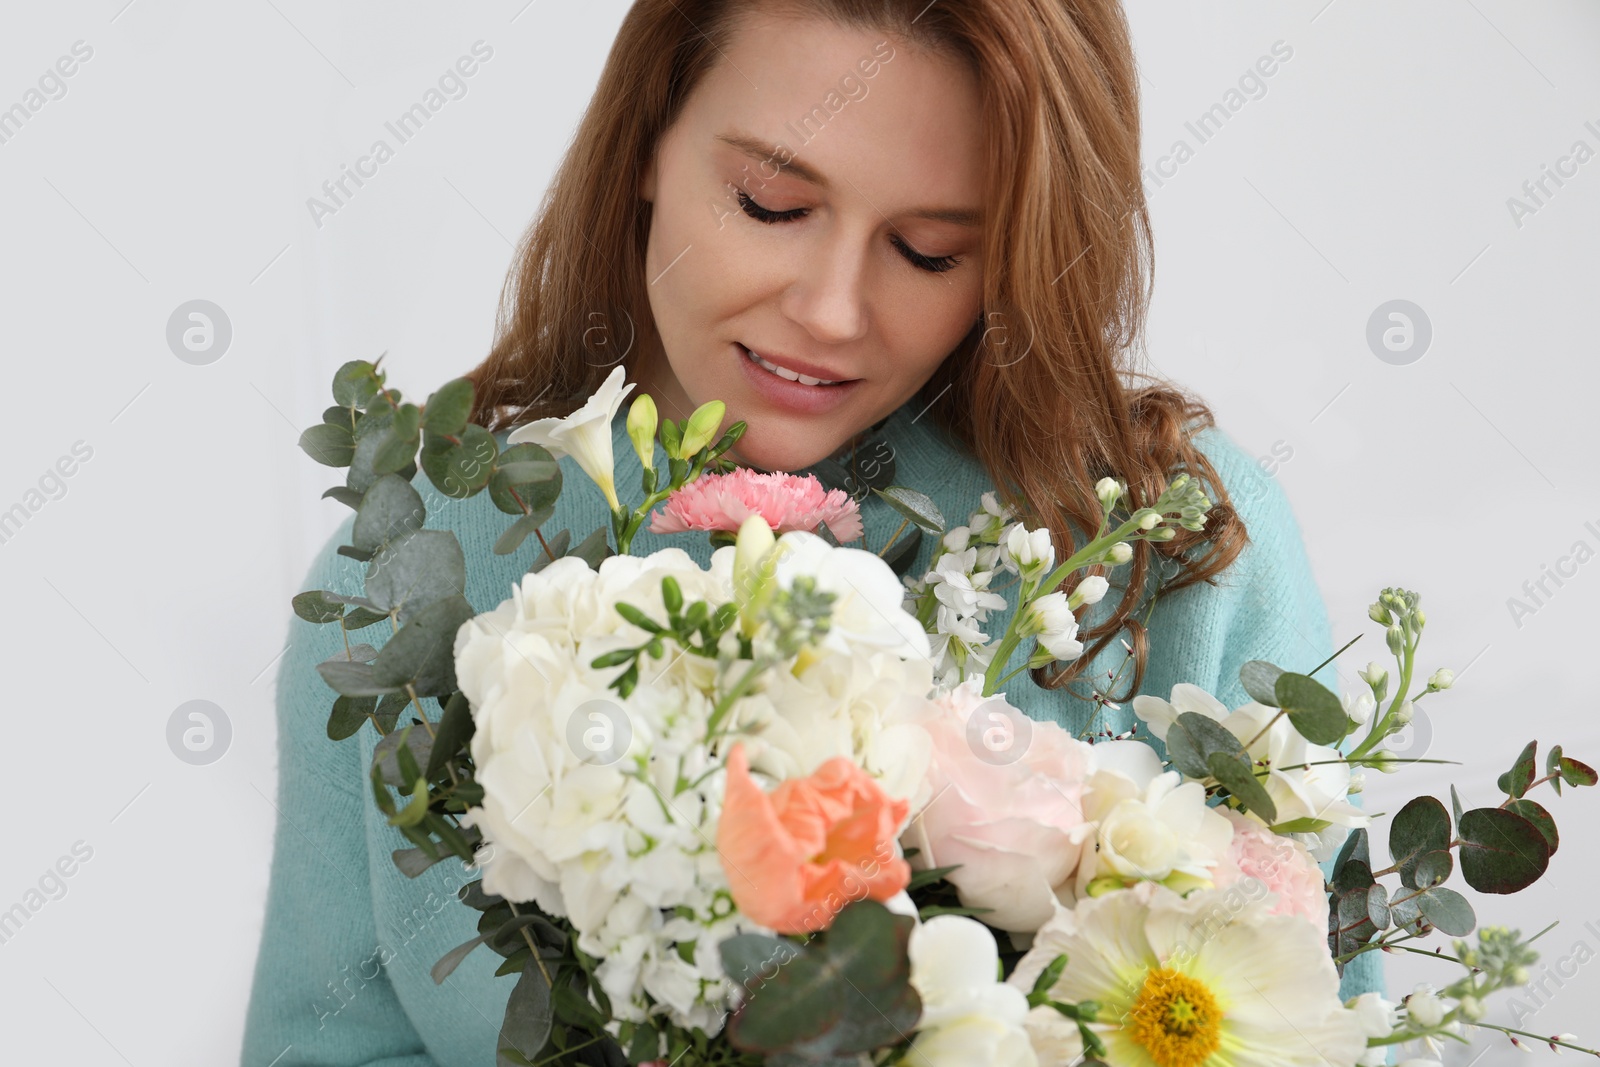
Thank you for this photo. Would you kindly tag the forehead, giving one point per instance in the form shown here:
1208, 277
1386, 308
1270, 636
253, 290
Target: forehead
865, 109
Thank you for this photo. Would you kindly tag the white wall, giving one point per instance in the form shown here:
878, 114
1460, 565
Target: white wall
1376, 165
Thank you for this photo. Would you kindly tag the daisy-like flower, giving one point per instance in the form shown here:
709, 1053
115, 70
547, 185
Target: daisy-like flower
1207, 980
585, 435
787, 501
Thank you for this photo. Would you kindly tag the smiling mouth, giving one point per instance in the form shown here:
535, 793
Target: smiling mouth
789, 375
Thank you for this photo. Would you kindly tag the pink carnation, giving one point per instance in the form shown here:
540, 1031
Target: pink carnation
1280, 863
786, 501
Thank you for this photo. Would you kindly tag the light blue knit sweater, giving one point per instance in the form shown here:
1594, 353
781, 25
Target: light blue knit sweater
343, 972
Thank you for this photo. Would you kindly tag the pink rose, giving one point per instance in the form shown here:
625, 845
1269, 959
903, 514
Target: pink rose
1280, 863
1006, 798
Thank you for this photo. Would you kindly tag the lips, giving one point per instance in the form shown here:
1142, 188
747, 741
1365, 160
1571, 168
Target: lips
794, 371
787, 385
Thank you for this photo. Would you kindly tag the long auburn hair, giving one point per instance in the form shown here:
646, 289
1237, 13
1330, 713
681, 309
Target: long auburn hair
1067, 263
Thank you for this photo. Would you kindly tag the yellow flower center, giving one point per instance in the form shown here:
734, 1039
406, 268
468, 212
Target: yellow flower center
1175, 1019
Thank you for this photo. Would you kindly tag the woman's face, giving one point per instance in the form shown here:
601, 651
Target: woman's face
817, 203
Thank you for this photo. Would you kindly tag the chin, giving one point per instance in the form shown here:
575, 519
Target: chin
780, 451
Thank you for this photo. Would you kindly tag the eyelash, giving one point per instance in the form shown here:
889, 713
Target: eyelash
931, 264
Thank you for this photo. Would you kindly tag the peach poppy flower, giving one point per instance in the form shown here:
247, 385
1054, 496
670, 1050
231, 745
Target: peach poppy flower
794, 858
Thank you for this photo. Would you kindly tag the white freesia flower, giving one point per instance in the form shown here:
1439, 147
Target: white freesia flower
1197, 979
867, 608
585, 435
968, 1015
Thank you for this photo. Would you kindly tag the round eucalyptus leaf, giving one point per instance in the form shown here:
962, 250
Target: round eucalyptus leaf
331, 446
448, 409
390, 511
411, 574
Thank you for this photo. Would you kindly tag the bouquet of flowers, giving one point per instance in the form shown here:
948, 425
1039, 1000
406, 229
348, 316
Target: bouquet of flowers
777, 809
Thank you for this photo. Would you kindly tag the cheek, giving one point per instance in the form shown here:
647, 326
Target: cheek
925, 325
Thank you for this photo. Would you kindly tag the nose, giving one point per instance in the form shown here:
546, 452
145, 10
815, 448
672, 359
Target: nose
829, 296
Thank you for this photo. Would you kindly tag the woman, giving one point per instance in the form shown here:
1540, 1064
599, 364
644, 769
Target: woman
879, 231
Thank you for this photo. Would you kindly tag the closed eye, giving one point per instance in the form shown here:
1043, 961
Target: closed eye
932, 264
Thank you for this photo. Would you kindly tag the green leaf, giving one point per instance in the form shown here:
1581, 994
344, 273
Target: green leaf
347, 716
409, 575
1193, 738
407, 421
399, 753
390, 511
751, 959
314, 608
847, 992
558, 548
412, 862
461, 467
352, 679
1354, 849
414, 811
1455, 803
1516, 781
1432, 868
916, 506
525, 477
344, 495
1260, 681
521, 530
361, 618
1313, 708
1447, 911
452, 959
393, 452
1501, 851
331, 446
528, 1017
1575, 773
1378, 907
422, 652
1536, 813
448, 409
1237, 774
355, 383
593, 549
1420, 827
451, 735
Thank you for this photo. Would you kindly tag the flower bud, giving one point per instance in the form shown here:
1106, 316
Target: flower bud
1404, 714
1383, 761
1376, 677
642, 422
1119, 553
1517, 976
1396, 638
1089, 591
1471, 1008
1419, 618
1149, 519
1358, 782
1443, 678
701, 428
1378, 613
753, 576
1109, 491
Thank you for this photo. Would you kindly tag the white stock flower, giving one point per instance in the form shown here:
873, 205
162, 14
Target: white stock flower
1359, 706
1052, 621
968, 1015
1029, 552
585, 435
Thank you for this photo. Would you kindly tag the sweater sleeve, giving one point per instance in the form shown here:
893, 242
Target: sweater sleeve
320, 994
1280, 617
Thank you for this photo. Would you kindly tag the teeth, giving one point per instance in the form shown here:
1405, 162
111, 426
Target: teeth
784, 372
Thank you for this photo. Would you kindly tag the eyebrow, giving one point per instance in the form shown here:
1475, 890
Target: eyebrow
758, 149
